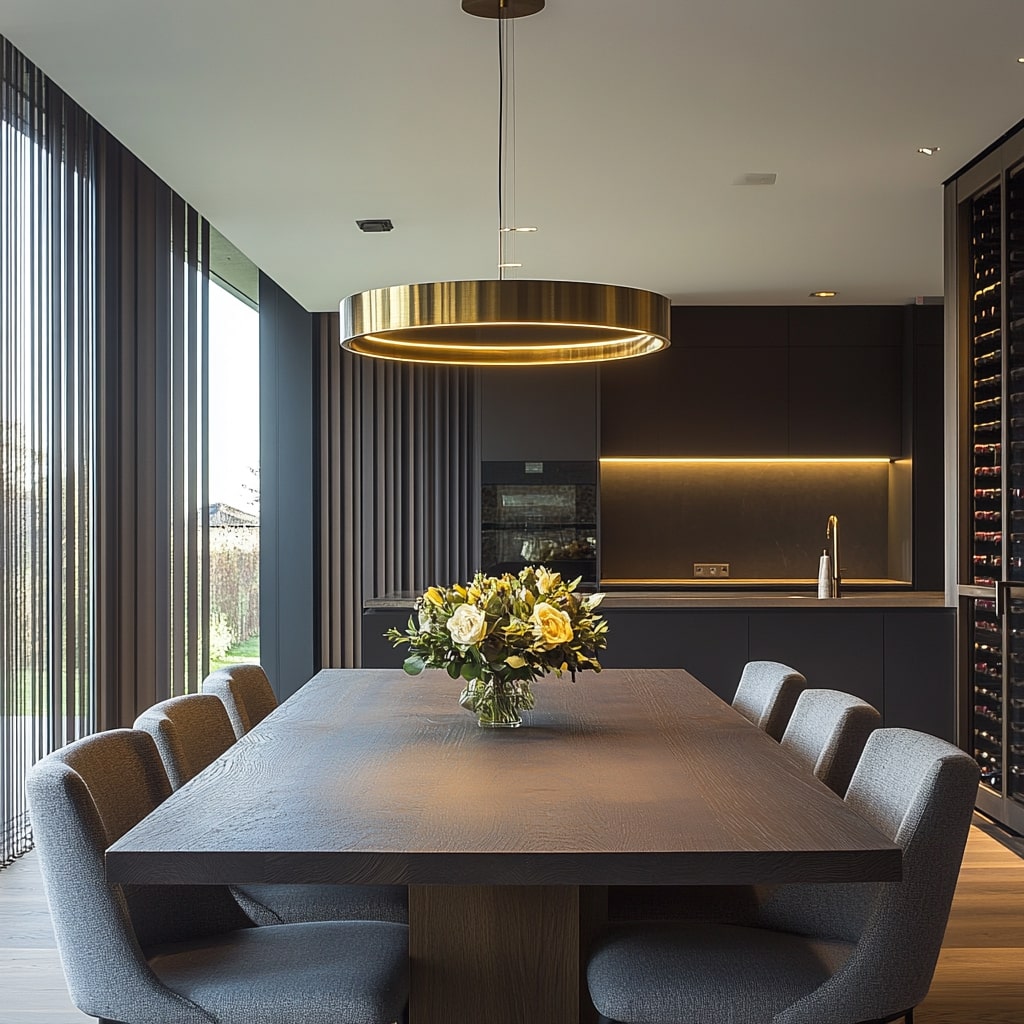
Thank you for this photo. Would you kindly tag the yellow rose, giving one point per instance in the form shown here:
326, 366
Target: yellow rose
433, 595
468, 625
551, 625
547, 580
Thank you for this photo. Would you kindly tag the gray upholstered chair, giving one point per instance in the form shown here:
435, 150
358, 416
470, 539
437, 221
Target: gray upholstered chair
154, 954
767, 694
843, 952
827, 732
190, 733
246, 693
193, 731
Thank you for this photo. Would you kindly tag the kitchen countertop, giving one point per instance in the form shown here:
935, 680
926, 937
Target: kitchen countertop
644, 599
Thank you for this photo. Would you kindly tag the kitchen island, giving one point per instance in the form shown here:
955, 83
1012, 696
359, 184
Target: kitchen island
893, 648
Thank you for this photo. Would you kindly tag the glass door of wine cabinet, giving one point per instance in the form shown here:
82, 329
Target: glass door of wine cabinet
990, 308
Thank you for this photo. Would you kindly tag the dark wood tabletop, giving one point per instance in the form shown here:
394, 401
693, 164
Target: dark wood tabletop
622, 777
627, 777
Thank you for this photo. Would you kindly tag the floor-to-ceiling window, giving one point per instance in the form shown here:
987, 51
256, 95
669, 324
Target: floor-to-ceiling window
47, 436
234, 471
129, 397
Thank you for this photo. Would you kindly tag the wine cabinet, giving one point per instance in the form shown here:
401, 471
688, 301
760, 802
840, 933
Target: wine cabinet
985, 310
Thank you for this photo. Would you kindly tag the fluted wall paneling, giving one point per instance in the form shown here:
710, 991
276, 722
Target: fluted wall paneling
398, 483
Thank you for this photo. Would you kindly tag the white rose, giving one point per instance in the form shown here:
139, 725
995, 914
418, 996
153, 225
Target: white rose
468, 625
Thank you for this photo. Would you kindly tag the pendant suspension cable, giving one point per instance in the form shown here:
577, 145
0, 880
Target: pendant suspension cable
507, 159
499, 322
510, 100
501, 149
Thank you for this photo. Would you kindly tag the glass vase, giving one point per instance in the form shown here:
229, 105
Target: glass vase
497, 703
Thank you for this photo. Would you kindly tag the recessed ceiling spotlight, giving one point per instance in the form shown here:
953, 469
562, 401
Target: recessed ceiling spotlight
823, 295
375, 224
757, 178
1020, 60
928, 150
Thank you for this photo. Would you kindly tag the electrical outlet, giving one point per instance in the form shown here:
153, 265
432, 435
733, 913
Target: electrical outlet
711, 570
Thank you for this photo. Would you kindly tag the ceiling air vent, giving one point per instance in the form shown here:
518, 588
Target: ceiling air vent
377, 224
756, 179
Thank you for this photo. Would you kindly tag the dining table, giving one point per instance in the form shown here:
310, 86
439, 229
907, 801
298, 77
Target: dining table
506, 838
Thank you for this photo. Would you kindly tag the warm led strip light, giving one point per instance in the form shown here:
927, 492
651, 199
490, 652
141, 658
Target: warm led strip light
862, 460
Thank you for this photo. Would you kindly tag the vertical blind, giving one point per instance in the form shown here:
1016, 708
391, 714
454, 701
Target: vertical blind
104, 590
399, 483
152, 524
47, 435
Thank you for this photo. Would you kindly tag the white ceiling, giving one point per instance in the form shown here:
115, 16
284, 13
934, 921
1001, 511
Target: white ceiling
285, 122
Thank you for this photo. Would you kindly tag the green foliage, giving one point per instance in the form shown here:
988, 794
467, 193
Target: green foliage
221, 637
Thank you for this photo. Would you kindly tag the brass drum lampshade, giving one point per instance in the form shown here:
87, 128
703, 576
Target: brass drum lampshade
505, 322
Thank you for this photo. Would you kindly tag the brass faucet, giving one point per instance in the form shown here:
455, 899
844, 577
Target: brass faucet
832, 533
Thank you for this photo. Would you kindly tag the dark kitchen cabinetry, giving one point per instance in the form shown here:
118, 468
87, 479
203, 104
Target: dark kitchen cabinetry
844, 400
845, 326
900, 660
835, 650
985, 311
710, 644
923, 425
687, 400
920, 651
377, 652
762, 381
546, 413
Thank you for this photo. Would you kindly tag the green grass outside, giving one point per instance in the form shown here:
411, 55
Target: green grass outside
23, 700
244, 652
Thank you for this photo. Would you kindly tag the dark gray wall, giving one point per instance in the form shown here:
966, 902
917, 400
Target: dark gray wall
287, 439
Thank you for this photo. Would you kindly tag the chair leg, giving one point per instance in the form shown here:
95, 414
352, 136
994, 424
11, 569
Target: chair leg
907, 1016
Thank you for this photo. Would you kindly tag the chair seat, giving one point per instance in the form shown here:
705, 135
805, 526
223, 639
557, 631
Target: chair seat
351, 972
297, 904
703, 973
722, 904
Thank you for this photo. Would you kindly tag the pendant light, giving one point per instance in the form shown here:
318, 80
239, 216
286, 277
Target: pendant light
505, 322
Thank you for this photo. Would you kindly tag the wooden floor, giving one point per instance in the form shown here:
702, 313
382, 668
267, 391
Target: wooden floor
980, 977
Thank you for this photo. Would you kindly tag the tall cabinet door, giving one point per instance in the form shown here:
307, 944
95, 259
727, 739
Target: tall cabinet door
1013, 730
987, 298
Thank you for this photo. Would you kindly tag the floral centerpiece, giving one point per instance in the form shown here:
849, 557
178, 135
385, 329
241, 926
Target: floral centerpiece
500, 633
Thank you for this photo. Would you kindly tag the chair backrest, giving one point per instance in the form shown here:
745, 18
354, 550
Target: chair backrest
918, 791
827, 732
767, 694
246, 693
190, 732
82, 798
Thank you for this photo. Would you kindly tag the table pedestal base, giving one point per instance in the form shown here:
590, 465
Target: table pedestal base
506, 954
